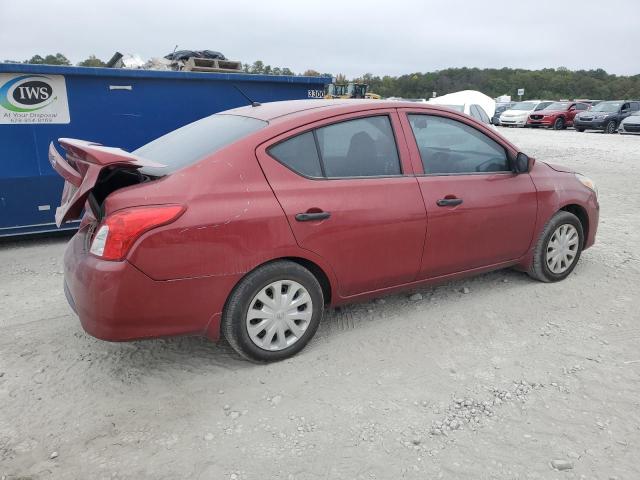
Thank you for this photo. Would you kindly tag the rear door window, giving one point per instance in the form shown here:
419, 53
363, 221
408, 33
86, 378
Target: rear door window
451, 147
364, 147
188, 144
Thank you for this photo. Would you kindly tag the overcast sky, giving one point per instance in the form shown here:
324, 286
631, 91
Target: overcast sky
392, 37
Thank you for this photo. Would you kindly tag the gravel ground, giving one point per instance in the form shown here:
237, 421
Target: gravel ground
496, 377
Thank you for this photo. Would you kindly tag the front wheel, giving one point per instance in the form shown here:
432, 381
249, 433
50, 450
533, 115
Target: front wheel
558, 124
610, 127
558, 249
273, 312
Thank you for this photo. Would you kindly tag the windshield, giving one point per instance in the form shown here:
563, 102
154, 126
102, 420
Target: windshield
523, 106
186, 145
541, 106
607, 107
557, 106
459, 108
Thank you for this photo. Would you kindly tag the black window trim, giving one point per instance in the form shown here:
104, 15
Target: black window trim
497, 172
366, 114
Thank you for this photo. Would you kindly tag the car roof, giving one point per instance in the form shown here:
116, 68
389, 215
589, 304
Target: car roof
279, 110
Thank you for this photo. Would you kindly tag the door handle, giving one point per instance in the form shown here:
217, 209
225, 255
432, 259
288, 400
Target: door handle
311, 216
449, 202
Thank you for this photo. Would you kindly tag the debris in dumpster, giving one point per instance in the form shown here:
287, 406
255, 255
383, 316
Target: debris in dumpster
187, 54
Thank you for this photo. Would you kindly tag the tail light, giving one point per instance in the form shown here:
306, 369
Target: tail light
119, 231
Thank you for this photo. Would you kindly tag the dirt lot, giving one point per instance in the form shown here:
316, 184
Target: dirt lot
542, 373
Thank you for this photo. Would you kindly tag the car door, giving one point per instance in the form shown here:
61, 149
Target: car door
479, 212
349, 194
625, 111
574, 110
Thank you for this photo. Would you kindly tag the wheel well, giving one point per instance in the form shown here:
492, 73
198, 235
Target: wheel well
317, 272
581, 213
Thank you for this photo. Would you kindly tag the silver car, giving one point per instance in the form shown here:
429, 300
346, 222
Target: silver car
631, 124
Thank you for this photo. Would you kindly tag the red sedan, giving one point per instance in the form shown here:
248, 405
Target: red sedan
557, 115
249, 223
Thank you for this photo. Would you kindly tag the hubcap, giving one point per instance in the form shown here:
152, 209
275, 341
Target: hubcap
279, 315
562, 248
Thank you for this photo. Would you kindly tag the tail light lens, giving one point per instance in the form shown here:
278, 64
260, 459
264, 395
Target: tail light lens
119, 231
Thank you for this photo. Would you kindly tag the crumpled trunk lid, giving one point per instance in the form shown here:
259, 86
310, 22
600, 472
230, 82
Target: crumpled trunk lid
88, 164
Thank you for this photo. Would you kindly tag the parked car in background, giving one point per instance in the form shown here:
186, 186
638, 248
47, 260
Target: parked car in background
587, 101
473, 110
473, 103
605, 116
249, 223
631, 124
518, 114
557, 115
500, 107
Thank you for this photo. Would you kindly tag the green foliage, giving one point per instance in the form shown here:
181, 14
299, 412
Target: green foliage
92, 61
547, 83
57, 59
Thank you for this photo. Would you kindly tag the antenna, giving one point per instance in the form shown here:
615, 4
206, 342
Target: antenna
252, 102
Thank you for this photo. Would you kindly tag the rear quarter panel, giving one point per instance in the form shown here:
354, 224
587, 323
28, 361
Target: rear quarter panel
232, 222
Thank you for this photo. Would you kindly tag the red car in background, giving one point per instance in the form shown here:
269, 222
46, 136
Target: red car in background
558, 115
250, 222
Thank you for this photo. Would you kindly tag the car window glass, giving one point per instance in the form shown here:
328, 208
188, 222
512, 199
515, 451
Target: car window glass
447, 147
299, 154
483, 115
473, 110
359, 148
188, 144
581, 106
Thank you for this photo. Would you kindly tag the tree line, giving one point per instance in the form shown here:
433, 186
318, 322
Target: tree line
548, 83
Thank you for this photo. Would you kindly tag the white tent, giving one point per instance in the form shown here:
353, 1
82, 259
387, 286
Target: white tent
467, 97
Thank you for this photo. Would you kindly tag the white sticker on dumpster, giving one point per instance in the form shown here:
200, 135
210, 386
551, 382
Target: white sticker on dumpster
33, 98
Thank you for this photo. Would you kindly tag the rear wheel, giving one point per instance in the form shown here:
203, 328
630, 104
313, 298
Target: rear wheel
558, 249
610, 127
558, 124
273, 312
580, 129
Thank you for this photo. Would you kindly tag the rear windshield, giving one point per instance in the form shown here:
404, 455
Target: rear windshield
190, 143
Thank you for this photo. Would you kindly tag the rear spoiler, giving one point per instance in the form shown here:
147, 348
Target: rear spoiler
81, 169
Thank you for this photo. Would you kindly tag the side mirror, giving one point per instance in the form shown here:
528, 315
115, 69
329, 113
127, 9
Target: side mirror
521, 163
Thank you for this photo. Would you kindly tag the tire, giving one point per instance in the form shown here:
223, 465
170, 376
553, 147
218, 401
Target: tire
540, 268
581, 130
279, 339
559, 124
610, 127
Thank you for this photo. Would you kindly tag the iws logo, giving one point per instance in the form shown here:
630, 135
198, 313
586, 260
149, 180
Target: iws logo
27, 93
